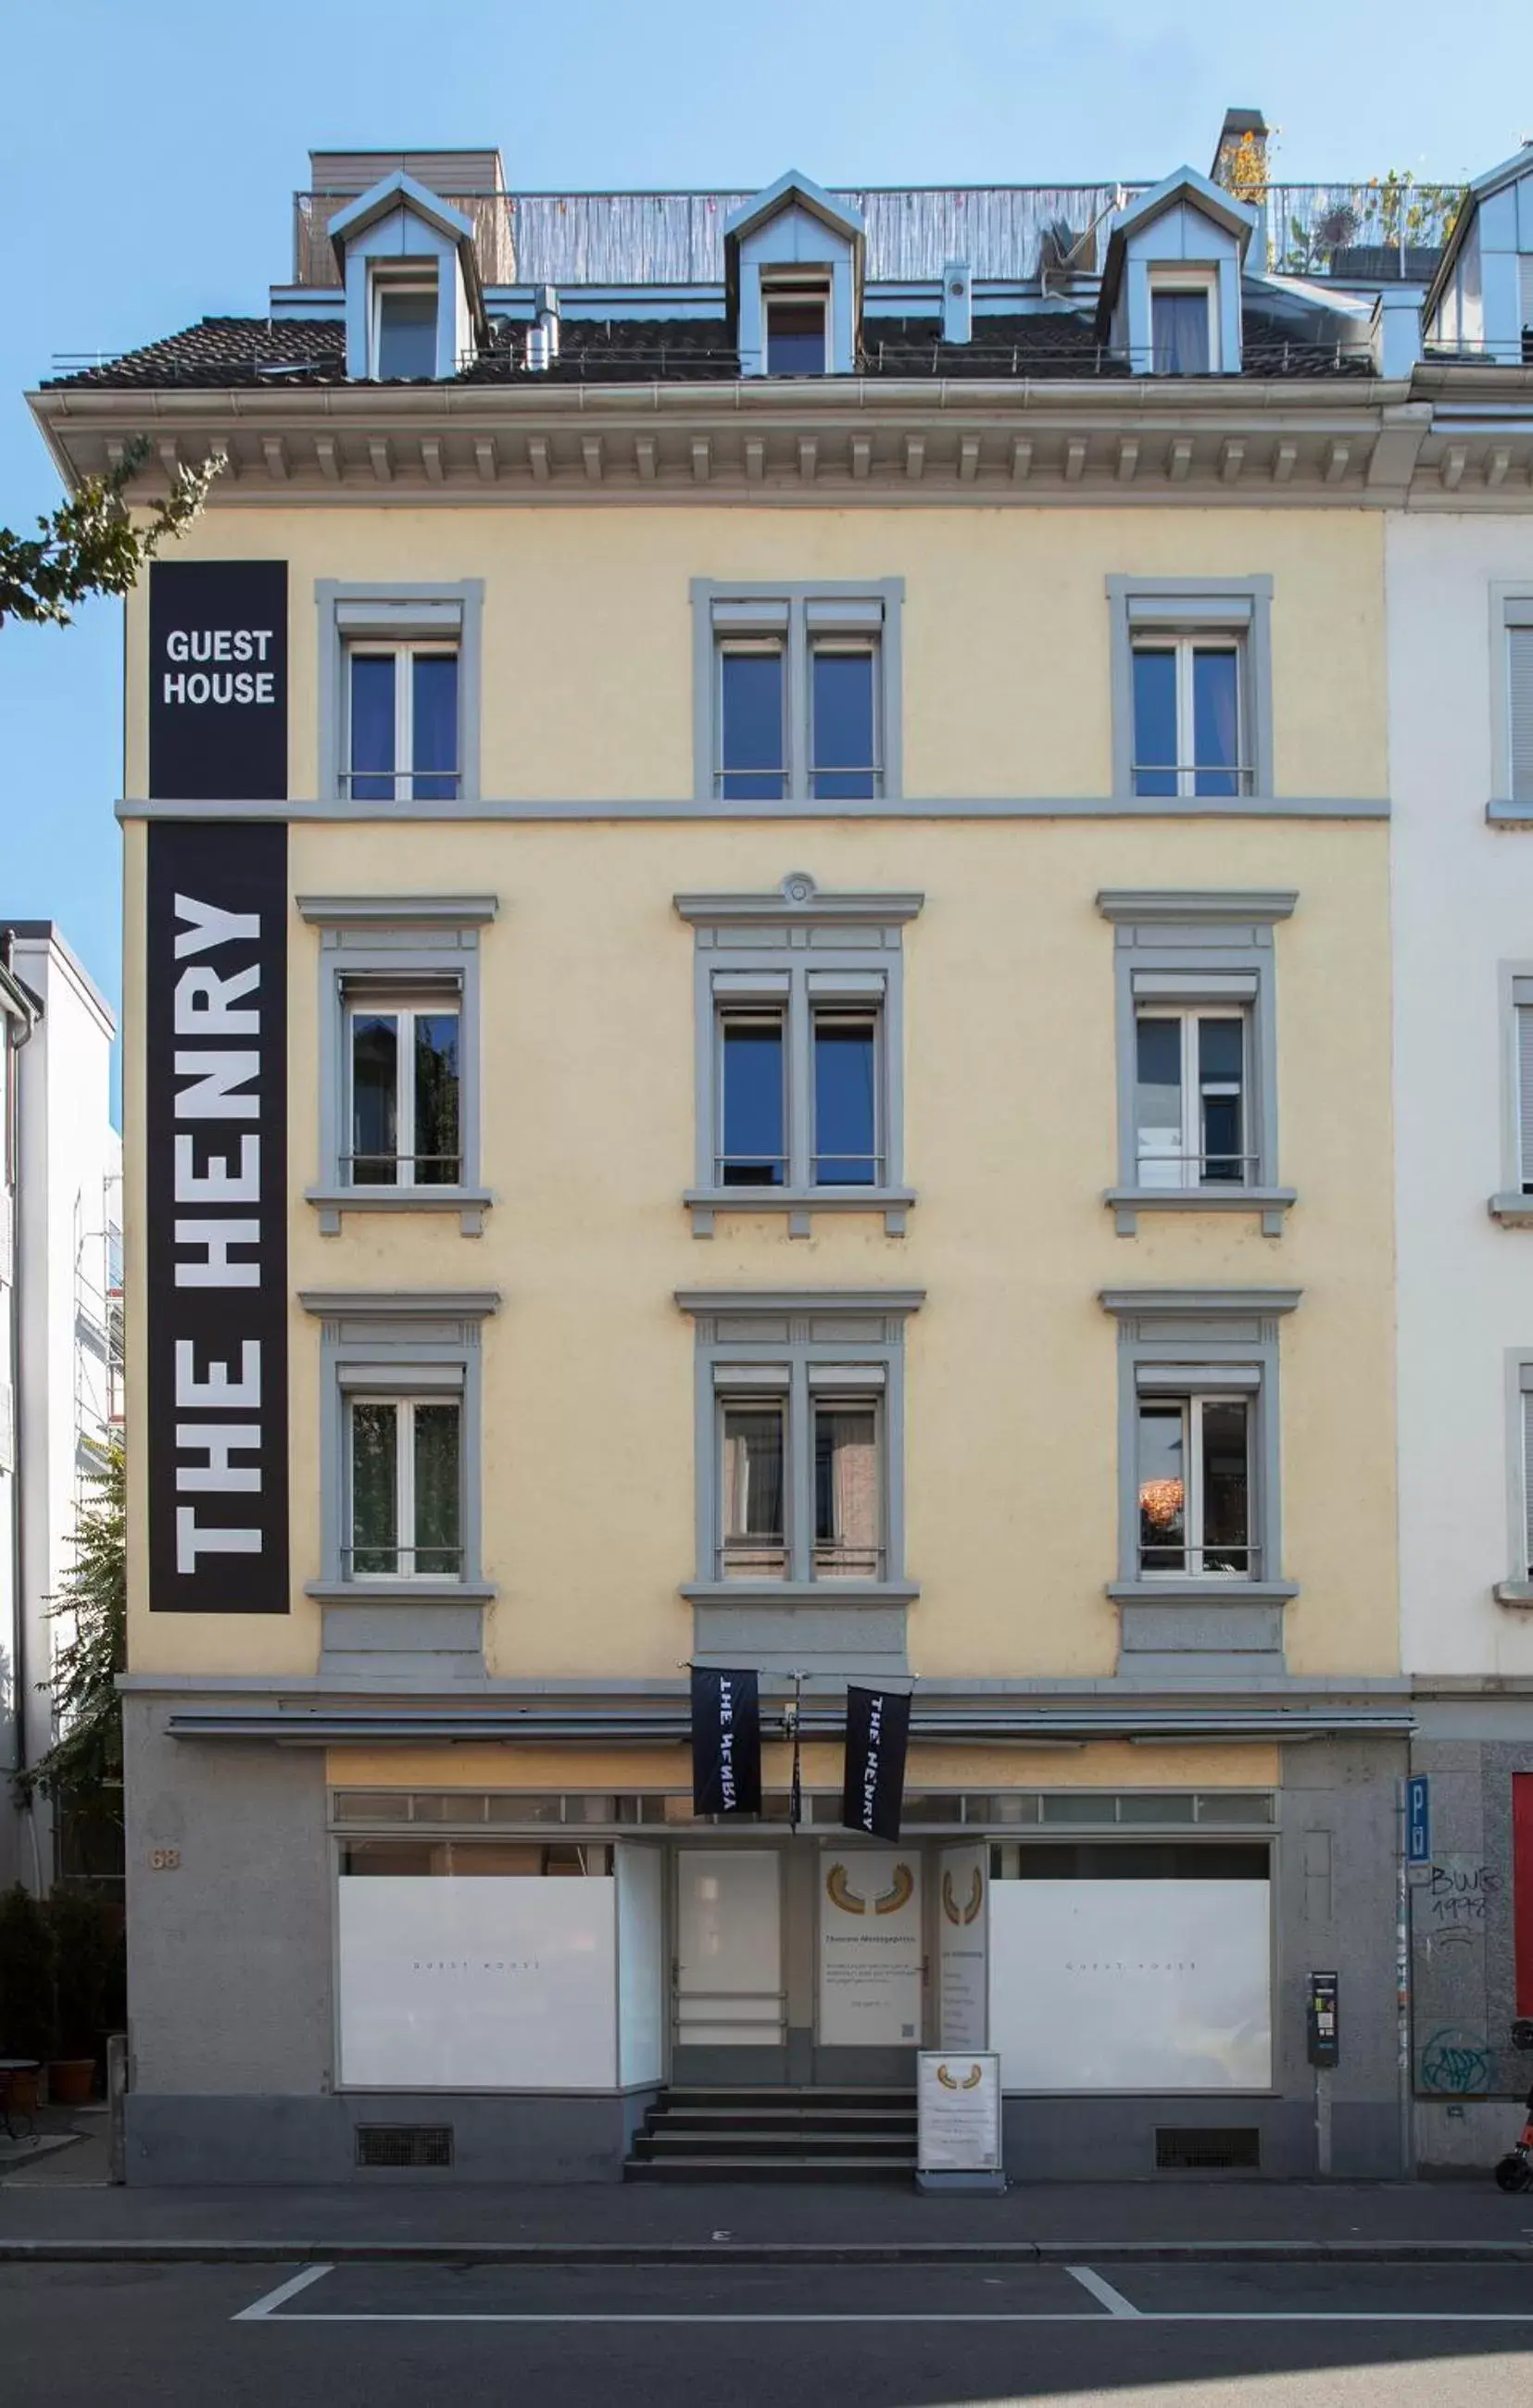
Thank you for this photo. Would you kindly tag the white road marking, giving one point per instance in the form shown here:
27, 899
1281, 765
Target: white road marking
871, 2316
263, 2311
1114, 2301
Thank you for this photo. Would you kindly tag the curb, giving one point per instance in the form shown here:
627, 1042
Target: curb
761, 2253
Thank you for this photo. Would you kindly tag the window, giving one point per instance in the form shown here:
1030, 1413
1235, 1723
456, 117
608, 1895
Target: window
399, 1038
405, 1088
1187, 716
798, 694
1192, 689
798, 1003
400, 675
1196, 1020
1182, 338
844, 1100
796, 329
404, 1465
404, 322
1511, 655
1517, 1589
1198, 1463
1189, 1097
1194, 1487
402, 723
800, 1439
400, 1443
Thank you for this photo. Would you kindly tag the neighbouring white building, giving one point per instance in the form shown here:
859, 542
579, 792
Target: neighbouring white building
1459, 576
59, 1331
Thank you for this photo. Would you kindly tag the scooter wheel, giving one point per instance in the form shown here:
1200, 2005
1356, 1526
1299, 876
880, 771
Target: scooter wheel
1513, 2172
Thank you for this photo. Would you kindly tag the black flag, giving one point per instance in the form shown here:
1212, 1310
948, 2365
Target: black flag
726, 1743
878, 1726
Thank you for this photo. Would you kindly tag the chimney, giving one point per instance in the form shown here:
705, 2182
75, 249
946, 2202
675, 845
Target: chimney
543, 335
1239, 162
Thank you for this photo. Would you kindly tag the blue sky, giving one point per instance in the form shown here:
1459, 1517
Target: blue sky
156, 145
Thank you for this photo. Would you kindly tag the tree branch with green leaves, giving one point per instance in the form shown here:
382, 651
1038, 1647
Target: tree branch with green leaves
92, 543
86, 1756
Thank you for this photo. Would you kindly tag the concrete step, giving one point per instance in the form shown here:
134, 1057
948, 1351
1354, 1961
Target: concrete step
747, 2141
820, 2169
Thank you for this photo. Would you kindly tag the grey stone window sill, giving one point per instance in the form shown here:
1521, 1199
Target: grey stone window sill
469, 1203
799, 1204
1514, 1593
1272, 1203
415, 1592
1503, 813
1210, 1591
1513, 1210
826, 1592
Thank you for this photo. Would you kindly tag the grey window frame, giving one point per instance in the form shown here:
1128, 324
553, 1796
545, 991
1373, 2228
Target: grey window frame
1194, 606
1517, 1589
1193, 1341
795, 613
1191, 946
1511, 606
397, 613
1509, 1204
386, 939
789, 933
399, 1342
784, 1335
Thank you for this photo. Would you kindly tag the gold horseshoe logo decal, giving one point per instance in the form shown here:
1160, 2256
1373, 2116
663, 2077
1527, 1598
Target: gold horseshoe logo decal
840, 1893
972, 1904
971, 2080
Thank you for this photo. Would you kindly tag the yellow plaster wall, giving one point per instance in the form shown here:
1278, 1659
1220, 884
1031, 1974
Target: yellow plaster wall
588, 630
1010, 1090
1112, 1765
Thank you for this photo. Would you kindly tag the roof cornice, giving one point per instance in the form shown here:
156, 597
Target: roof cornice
1242, 442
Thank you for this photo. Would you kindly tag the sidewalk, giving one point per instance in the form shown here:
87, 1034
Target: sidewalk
62, 2207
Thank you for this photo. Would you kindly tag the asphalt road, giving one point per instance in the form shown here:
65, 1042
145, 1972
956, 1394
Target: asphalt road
370, 2336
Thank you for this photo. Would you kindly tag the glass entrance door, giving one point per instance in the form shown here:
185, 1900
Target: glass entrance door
729, 2007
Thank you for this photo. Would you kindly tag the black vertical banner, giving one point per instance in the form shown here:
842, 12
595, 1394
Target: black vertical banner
216, 1225
877, 1729
725, 1741
217, 705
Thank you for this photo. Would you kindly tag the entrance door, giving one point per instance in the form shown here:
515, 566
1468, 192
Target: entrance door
729, 2004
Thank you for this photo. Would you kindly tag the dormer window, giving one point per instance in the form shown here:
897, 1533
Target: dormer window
1183, 337
404, 332
796, 329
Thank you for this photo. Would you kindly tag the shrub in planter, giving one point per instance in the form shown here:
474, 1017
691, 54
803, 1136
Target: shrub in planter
28, 1992
83, 1963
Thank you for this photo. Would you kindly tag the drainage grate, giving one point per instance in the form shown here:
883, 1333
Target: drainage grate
1204, 2148
403, 2144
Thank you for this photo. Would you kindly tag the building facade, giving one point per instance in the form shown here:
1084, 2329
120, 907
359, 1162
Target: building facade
1459, 571
61, 1331
749, 824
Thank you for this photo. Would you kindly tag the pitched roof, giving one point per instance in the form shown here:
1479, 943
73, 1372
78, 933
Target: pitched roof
218, 354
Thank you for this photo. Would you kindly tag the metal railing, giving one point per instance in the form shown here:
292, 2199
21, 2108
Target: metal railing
1386, 229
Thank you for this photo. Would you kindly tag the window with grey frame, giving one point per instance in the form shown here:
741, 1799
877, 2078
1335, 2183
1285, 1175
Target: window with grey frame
1515, 731
400, 1032
798, 695
1199, 1441
799, 1042
1192, 688
399, 679
1196, 1019
800, 1436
